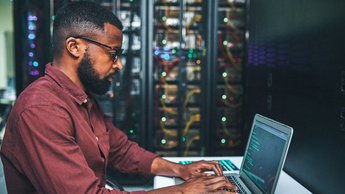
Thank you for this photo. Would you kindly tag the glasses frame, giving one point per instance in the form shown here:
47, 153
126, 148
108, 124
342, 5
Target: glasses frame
117, 49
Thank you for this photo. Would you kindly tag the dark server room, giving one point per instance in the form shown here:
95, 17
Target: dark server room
195, 74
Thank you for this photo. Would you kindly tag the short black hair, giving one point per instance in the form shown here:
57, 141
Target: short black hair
80, 18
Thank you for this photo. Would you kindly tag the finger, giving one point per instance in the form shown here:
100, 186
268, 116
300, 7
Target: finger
209, 165
220, 184
216, 184
214, 161
224, 191
218, 169
205, 174
214, 179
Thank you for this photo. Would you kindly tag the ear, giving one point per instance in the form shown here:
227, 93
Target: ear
74, 47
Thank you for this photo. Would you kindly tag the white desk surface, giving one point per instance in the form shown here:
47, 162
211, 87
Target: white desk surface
286, 184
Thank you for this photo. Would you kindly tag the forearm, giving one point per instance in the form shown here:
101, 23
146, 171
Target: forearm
166, 190
164, 167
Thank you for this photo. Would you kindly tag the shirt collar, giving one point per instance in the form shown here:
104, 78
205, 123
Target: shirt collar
66, 83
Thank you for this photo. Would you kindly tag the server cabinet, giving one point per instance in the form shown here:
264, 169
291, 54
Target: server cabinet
196, 81
229, 83
32, 40
176, 58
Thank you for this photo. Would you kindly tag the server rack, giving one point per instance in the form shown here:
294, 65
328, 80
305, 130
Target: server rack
32, 41
197, 63
177, 54
229, 88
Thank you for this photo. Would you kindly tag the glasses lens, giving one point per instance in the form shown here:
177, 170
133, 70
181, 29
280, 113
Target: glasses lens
118, 55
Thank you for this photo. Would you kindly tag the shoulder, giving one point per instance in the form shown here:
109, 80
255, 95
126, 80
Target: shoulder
41, 99
42, 92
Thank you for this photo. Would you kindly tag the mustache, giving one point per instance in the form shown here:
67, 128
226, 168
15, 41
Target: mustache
112, 74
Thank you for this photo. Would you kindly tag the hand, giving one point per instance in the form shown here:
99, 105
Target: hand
206, 184
198, 168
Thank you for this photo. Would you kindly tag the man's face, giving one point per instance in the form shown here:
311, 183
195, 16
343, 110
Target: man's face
98, 66
90, 78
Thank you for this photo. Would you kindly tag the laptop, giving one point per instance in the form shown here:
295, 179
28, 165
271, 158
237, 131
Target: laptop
263, 158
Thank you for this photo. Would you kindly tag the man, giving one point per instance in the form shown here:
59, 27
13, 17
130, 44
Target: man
58, 139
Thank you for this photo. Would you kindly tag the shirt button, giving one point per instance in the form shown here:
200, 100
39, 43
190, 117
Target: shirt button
97, 138
85, 101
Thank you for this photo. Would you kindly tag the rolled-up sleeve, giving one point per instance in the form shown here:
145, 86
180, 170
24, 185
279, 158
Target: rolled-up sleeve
127, 156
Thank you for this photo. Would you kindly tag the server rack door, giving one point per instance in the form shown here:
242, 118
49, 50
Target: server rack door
176, 65
228, 91
198, 51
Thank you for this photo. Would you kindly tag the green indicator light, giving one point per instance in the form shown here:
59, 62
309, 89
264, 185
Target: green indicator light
130, 131
164, 73
131, 0
195, 56
164, 41
223, 119
225, 74
163, 141
164, 18
190, 55
164, 96
225, 19
53, 17
225, 42
164, 119
183, 139
224, 96
173, 51
191, 50
223, 140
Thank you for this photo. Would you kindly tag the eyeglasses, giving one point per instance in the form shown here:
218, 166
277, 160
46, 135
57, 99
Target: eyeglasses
118, 50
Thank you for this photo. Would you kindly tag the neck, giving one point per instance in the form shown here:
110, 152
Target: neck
70, 69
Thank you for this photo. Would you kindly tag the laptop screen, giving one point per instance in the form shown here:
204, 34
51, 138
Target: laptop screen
263, 156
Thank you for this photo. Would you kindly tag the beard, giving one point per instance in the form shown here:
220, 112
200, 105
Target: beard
90, 79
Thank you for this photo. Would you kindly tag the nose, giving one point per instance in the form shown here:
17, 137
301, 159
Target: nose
118, 64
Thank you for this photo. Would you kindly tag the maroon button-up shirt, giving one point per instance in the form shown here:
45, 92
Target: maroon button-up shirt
58, 140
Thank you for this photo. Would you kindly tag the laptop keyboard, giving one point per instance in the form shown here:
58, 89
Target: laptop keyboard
233, 180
